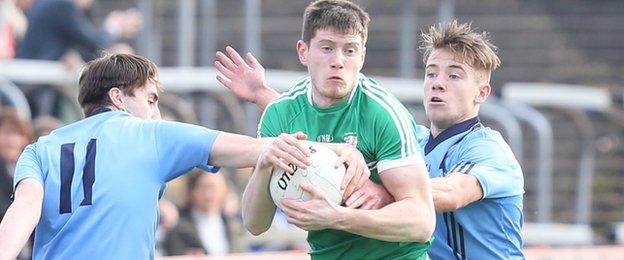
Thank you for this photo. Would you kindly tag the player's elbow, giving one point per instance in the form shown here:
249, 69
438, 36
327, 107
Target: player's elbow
423, 225
422, 232
255, 229
254, 225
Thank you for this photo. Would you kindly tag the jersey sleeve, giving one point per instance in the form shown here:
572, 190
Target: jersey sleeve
181, 147
28, 166
494, 166
396, 141
269, 122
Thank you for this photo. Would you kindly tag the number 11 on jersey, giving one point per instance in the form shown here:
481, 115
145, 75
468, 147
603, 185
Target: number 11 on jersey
67, 175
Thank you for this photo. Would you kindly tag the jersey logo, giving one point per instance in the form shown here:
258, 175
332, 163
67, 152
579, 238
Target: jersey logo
326, 138
351, 138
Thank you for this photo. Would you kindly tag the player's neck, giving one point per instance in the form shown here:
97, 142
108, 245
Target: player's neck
435, 131
324, 102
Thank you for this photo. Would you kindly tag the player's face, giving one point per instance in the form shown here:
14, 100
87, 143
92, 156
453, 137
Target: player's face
144, 103
453, 90
334, 61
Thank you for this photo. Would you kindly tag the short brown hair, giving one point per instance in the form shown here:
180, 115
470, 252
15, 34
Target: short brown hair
472, 47
341, 15
124, 71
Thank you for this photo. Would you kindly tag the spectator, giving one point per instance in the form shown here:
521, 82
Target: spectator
205, 225
13, 24
58, 26
169, 217
43, 125
15, 134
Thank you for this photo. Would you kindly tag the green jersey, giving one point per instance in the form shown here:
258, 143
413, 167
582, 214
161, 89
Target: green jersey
381, 128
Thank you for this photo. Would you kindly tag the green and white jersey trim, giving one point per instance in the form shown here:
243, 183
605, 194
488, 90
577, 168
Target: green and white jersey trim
396, 111
297, 90
414, 159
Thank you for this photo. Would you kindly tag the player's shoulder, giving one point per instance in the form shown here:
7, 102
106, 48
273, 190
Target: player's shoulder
485, 141
483, 135
293, 97
378, 100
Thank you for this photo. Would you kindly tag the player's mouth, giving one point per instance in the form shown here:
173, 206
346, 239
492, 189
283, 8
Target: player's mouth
335, 78
436, 101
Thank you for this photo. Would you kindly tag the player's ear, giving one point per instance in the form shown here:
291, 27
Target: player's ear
115, 95
483, 94
302, 52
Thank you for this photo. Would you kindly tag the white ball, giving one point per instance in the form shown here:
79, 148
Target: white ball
321, 173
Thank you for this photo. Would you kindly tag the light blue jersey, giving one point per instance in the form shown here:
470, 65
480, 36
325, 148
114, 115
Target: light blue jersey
488, 228
102, 179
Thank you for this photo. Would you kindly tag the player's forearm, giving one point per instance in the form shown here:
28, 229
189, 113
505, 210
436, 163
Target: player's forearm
257, 206
237, 151
454, 192
443, 198
404, 221
264, 97
18, 223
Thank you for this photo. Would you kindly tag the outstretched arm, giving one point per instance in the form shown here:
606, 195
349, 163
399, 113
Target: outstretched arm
455, 191
245, 78
240, 151
449, 193
21, 218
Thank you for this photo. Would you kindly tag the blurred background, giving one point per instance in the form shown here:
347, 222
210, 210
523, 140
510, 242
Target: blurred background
558, 96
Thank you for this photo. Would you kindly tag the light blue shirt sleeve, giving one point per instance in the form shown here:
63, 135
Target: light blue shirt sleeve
493, 164
181, 147
28, 166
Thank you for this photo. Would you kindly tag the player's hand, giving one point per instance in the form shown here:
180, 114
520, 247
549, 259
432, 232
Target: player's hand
315, 214
357, 170
287, 149
371, 196
243, 77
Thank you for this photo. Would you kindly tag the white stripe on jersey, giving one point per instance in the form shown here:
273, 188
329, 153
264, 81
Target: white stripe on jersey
393, 107
298, 89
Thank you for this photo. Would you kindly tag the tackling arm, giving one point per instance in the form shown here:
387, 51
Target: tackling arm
455, 191
238, 151
410, 218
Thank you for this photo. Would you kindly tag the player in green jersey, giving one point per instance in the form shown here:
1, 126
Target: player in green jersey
338, 104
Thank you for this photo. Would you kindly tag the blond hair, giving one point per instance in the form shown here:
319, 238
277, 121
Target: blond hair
472, 47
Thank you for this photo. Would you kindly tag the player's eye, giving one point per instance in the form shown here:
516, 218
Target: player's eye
350, 51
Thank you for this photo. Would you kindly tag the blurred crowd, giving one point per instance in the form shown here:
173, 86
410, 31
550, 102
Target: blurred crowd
199, 213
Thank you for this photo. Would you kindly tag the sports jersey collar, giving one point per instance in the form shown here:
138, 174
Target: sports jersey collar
99, 111
450, 132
